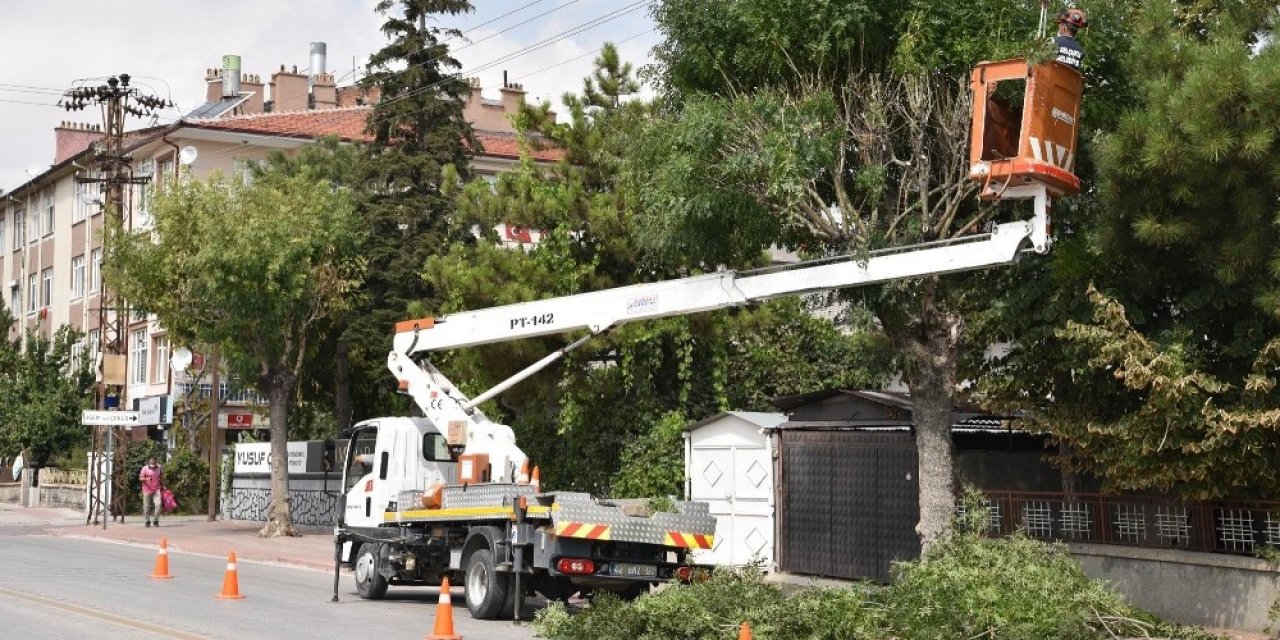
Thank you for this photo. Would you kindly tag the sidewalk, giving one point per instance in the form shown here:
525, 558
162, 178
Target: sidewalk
186, 534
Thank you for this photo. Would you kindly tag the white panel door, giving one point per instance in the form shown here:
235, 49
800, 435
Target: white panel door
736, 481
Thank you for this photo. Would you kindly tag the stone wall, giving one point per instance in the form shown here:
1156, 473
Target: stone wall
67, 496
10, 492
1207, 589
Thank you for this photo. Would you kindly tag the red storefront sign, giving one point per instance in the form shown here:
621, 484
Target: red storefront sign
239, 420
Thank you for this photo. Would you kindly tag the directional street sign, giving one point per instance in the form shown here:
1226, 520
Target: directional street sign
109, 418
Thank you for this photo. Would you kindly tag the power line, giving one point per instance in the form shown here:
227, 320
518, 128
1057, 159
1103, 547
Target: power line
564, 35
526, 75
39, 104
489, 22
463, 34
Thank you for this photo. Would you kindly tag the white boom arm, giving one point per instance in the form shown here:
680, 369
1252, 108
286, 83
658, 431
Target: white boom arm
601, 310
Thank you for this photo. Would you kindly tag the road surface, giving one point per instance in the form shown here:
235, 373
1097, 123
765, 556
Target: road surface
60, 588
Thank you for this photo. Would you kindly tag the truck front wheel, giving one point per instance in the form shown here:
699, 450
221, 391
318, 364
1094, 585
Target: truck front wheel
369, 583
486, 588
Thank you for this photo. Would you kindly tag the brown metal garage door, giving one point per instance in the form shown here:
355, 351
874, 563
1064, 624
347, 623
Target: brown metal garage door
848, 503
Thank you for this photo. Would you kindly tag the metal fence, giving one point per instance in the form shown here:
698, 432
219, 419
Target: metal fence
308, 507
1237, 527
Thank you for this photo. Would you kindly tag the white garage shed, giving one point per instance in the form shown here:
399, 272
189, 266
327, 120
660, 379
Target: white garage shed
728, 463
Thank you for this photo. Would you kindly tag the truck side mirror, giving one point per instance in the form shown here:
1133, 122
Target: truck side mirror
329, 457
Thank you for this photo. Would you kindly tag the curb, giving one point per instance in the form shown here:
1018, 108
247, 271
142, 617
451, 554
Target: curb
176, 546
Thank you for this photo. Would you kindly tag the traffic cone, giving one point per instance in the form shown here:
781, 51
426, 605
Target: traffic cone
536, 480
523, 477
161, 572
230, 582
745, 632
443, 629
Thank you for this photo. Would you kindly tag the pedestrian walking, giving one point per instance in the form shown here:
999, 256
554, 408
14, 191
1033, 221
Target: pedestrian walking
152, 479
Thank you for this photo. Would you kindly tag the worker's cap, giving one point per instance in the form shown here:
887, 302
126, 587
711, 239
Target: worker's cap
1073, 17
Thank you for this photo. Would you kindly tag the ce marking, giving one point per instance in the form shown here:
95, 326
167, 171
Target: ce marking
437, 404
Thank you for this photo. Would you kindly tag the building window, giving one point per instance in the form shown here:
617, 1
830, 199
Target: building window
46, 291
19, 224
78, 207
47, 226
77, 276
2, 221
15, 298
139, 357
31, 293
95, 270
33, 229
95, 343
162, 360
77, 355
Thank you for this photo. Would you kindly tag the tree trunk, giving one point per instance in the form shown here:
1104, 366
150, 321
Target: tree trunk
279, 521
342, 384
931, 403
930, 335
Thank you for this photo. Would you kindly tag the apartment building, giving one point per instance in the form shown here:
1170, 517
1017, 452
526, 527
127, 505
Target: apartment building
50, 227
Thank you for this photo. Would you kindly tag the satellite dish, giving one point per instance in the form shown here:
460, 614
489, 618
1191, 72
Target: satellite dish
37, 169
188, 155
17, 467
181, 357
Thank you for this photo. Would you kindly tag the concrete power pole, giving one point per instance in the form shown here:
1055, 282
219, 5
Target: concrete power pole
116, 99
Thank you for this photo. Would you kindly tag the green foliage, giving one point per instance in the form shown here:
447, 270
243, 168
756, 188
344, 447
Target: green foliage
969, 586
609, 420
286, 258
186, 474
652, 464
1154, 332
43, 389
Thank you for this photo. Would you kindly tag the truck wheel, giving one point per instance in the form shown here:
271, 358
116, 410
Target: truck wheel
369, 583
486, 589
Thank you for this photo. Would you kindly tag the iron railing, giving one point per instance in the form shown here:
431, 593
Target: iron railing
1237, 527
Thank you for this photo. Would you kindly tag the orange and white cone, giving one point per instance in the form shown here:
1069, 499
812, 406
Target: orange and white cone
230, 581
536, 480
523, 476
443, 629
745, 632
161, 571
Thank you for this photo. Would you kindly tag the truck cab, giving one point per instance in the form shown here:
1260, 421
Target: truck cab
387, 456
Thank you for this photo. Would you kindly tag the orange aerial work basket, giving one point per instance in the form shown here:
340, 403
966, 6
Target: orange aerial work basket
1018, 150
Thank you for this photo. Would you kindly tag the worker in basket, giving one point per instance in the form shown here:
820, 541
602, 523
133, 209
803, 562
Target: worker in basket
1070, 22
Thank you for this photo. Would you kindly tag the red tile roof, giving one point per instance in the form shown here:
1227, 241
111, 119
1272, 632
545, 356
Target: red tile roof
347, 123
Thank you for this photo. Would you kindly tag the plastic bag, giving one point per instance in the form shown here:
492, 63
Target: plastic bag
167, 501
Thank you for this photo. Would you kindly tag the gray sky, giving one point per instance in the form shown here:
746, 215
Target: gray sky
166, 46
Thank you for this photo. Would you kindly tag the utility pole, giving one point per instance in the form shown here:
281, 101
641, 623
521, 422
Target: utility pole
116, 98
215, 443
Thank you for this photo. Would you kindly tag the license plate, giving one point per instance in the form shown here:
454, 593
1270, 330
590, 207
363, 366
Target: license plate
634, 570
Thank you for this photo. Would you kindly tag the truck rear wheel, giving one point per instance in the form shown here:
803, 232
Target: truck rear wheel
369, 583
486, 588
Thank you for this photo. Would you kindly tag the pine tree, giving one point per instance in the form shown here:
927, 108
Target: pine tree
418, 130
